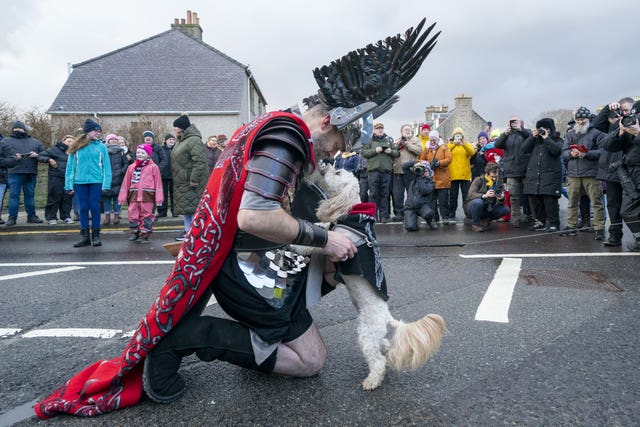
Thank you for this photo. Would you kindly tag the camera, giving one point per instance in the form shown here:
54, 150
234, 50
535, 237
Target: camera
629, 120
512, 124
629, 187
419, 169
384, 146
542, 131
614, 114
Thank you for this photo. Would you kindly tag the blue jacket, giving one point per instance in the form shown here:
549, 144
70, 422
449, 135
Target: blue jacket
89, 165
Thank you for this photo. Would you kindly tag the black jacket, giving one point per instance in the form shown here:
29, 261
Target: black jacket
119, 165
421, 189
23, 143
7, 160
515, 161
630, 148
58, 153
544, 170
588, 165
159, 157
165, 171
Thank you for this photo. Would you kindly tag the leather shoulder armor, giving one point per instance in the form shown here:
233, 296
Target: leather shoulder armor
278, 154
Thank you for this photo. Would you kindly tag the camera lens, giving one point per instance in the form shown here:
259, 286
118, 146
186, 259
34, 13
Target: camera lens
627, 121
542, 131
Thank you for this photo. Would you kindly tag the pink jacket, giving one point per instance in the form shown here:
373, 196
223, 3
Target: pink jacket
148, 189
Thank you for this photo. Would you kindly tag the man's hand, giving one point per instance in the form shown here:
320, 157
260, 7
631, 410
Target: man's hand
575, 153
339, 247
490, 194
53, 164
633, 129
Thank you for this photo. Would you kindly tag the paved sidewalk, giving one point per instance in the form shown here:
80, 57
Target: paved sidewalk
22, 225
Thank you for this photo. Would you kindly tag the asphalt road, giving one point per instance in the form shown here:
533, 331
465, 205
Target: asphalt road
567, 353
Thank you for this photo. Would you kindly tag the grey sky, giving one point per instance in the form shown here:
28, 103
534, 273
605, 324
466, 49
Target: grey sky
512, 57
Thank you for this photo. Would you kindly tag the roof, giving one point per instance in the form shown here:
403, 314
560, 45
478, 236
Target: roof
167, 72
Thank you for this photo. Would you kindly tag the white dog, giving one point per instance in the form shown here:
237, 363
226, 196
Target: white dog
409, 345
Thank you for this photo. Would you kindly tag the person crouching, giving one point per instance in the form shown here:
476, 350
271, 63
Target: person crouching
142, 188
421, 200
485, 201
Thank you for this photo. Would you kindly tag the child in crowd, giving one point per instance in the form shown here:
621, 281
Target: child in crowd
142, 188
119, 165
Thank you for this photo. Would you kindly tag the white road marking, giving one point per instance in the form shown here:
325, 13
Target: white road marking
73, 333
84, 263
7, 332
496, 301
551, 255
39, 273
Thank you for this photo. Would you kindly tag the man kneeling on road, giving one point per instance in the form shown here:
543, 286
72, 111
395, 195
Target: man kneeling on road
485, 201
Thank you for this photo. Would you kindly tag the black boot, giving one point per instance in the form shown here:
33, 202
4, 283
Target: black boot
95, 237
613, 240
86, 241
585, 215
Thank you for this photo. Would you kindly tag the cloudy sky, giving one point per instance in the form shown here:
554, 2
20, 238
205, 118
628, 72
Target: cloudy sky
512, 57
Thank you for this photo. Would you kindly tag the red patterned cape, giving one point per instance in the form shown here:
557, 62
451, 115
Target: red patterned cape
117, 383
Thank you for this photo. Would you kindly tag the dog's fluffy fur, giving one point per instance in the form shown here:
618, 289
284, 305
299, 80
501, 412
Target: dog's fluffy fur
409, 345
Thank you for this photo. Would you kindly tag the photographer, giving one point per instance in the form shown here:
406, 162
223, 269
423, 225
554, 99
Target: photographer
581, 152
485, 200
627, 140
543, 180
409, 148
515, 168
380, 154
421, 201
438, 155
459, 169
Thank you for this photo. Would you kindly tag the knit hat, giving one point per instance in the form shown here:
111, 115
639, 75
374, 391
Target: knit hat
222, 138
111, 136
546, 123
583, 113
434, 134
167, 136
145, 147
147, 133
495, 134
182, 122
90, 125
481, 134
19, 125
425, 126
378, 126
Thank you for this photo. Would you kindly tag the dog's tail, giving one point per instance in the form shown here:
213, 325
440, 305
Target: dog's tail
414, 343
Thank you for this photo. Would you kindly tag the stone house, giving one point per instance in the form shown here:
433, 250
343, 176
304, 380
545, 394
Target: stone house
147, 84
463, 116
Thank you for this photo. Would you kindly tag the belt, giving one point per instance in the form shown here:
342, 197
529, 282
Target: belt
245, 242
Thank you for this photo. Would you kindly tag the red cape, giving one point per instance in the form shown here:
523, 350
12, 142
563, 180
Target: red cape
117, 383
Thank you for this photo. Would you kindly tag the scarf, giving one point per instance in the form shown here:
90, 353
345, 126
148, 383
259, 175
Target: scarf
113, 384
137, 171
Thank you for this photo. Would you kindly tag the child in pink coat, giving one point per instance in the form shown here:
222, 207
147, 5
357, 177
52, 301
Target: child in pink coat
142, 188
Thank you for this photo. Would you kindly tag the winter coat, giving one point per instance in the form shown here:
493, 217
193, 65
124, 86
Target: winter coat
147, 189
159, 156
166, 170
188, 164
348, 161
213, 153
440, 172
480, 186
22, 143
630, 147
380, 162
460, 166
514, 161
588, 165
544, 171
7, 160
410, 151
421, 190
89, 165
119, 165
58, 153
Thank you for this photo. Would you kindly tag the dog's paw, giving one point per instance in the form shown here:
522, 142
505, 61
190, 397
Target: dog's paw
371, 382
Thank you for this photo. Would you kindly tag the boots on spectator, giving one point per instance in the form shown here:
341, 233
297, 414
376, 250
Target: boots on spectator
116, 218
107, 219
95, 237
585, 215
86, 241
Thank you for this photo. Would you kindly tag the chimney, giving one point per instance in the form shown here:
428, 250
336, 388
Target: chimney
463, 102
189, 26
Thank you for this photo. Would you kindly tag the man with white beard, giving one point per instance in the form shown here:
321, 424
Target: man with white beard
581, 151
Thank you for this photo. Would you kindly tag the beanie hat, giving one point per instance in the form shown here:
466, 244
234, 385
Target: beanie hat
546, 123
434, 134
111, 136
90, 125
147, 133
495, 134
182, 122
145, 147
222, 138
425, 126
481, 134
378, 126
583, 113
167, 136
19, 125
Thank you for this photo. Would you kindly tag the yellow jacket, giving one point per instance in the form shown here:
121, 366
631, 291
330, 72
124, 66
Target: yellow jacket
460, 166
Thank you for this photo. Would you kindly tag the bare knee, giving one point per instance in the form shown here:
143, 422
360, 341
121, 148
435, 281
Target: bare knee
313, 363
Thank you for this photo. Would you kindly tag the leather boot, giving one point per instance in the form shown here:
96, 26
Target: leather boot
107, 219
86, 241
585, 215
116, 218
95, 237
614, 239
